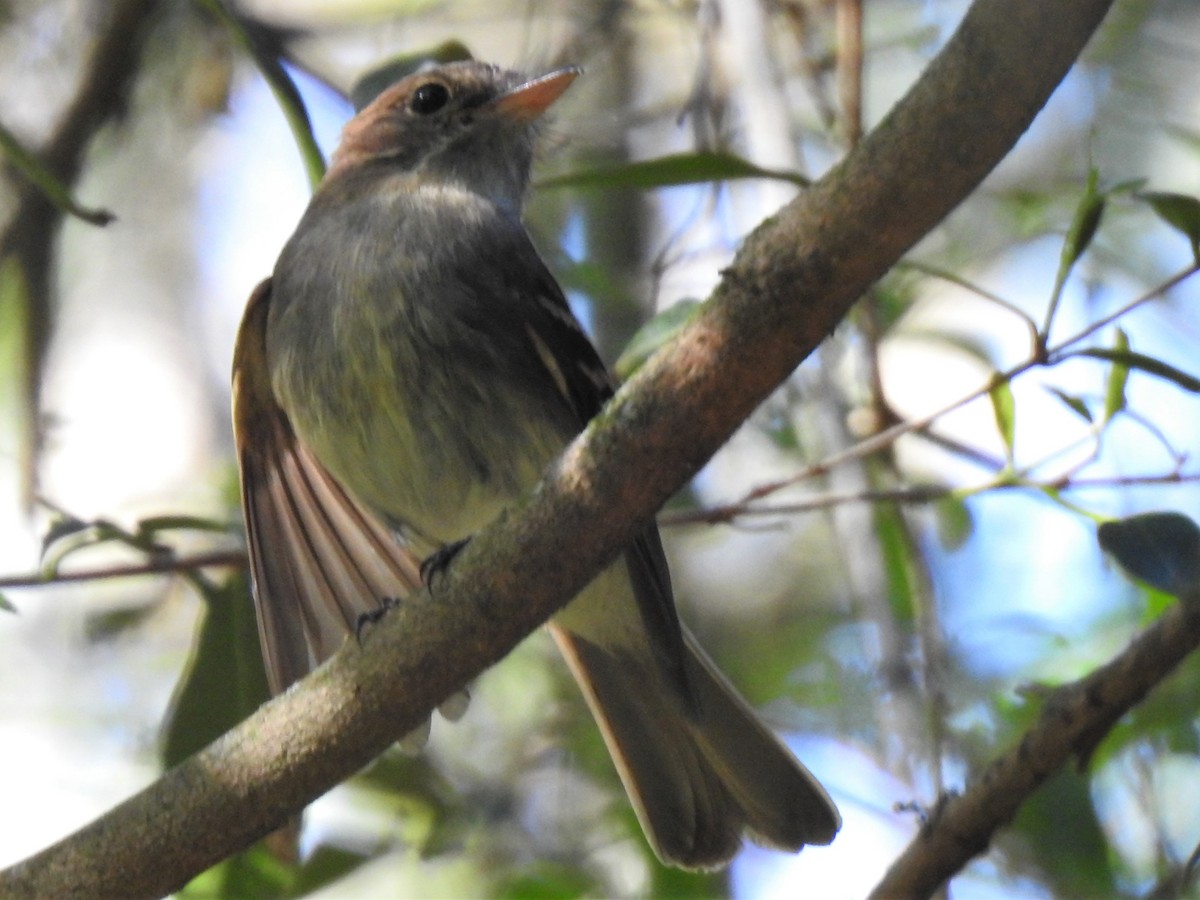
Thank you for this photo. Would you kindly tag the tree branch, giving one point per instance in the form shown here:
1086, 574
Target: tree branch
1074, 719
794, 279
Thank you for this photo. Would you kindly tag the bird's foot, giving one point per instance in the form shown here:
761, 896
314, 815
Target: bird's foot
436, 562
367, 619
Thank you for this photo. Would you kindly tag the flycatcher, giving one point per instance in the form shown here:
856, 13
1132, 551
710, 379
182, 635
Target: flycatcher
411, 368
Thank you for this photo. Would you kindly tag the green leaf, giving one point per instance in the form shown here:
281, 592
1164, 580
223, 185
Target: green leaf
62, 528
669, 171
68, 534
110, 623
1118, 377
1157, 602
20, 372
255, 872
1181, 212
378, 79
1086, 220
1128, 186
324, 866
898, 561
669, 883
1064, 835
287, 95
6, 604
1083, 228
1074, 403
1127, 359
652, 335
224, 680
955, 524
1165, 719
47, 182
547, 880
1005, 412
1159, 548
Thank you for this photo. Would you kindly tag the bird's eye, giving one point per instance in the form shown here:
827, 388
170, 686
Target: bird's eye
429, 98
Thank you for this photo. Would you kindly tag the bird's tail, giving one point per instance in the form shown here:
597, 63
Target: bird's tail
697, 779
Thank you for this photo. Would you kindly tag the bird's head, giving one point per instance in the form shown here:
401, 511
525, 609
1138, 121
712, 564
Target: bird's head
468, 125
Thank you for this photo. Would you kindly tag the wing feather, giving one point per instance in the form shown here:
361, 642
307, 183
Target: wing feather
319, 559
584, 383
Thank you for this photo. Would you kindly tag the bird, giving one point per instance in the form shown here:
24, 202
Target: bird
408, 371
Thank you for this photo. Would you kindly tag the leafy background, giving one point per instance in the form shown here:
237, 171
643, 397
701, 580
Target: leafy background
894, 606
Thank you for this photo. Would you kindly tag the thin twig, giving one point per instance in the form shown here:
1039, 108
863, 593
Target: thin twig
168, 565
919, 494
883, 439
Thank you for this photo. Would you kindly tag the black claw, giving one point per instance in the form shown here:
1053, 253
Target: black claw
368, 619
437, 561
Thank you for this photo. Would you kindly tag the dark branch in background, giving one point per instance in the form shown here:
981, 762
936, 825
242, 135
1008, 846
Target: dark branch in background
171, 565
850, 68
1073, 721
30, 236
794, 279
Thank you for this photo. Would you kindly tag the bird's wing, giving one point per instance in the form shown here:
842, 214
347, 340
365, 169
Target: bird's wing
319, 559
586, 385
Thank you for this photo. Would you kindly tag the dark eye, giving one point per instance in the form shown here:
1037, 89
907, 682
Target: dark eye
429, 98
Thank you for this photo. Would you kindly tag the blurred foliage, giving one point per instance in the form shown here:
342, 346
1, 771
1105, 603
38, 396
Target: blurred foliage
58, 193
1179, 211
268, 48
1161, 549
655, 334
253, 873
14, 352
1063, 836
899, 630
224, 680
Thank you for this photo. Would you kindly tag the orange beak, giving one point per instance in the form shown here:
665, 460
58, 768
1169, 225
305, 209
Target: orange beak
527, 101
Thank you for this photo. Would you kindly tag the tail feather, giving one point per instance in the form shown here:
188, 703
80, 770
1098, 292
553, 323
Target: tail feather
784, 804
697, 779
